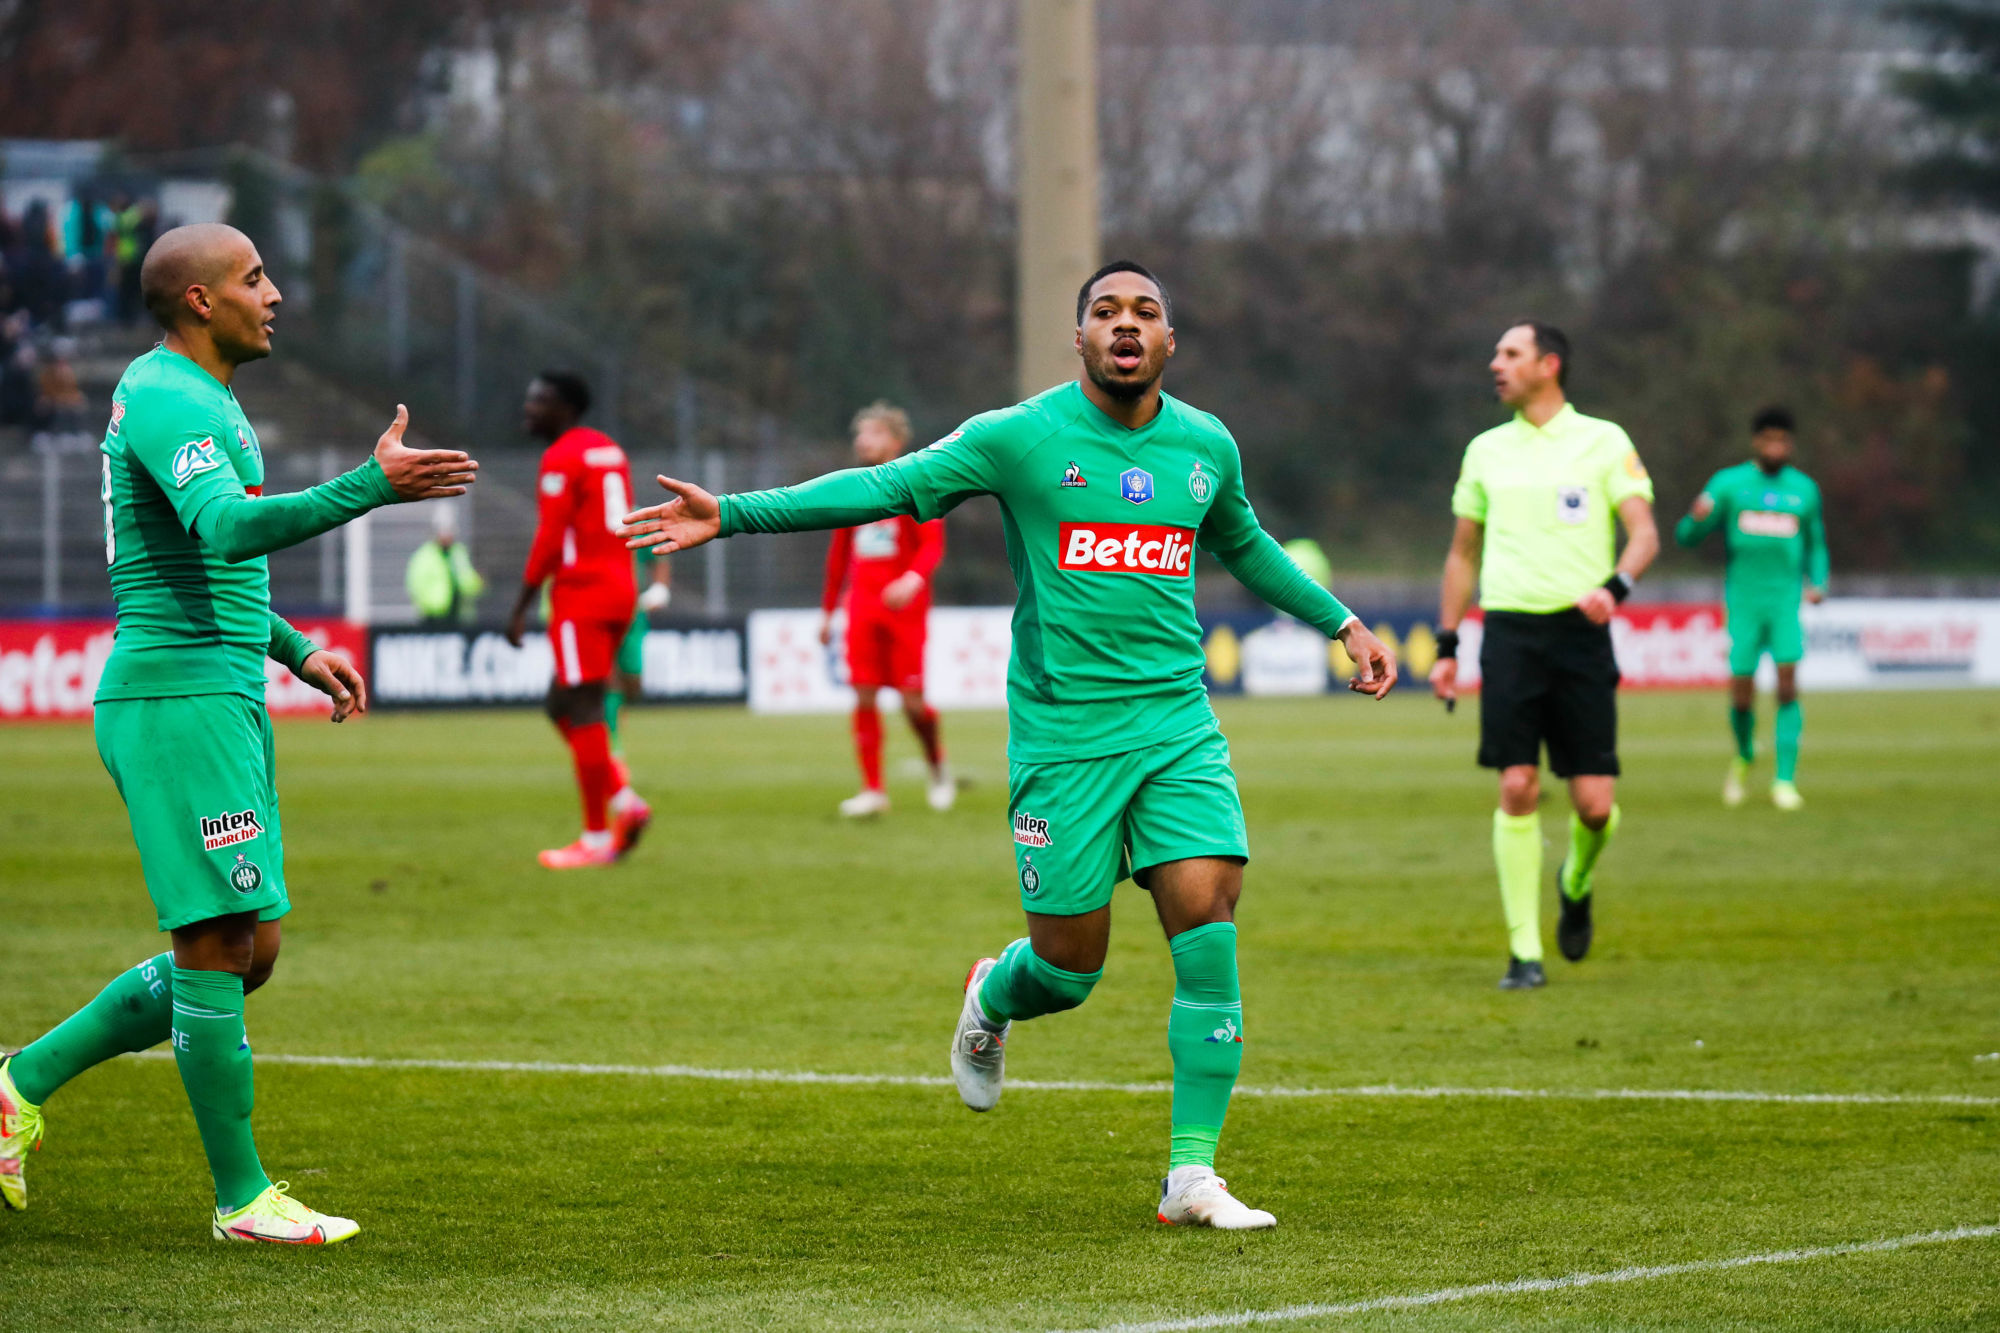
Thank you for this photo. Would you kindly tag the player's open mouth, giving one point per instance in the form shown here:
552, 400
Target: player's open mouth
1126, 353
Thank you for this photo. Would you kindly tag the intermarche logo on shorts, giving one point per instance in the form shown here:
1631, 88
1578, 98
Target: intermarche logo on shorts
1128, 548
226, 830
1030, 831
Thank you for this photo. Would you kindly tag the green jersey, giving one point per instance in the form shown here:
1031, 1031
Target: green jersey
1548, 496
186, 541
1776, 537
1101, 523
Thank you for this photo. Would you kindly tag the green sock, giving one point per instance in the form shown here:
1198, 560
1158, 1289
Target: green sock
1517, 853
130, 1014
1743, 724
1586, 844
214, 1059
1022, 986
614, 700
1791, 721
1205, 1038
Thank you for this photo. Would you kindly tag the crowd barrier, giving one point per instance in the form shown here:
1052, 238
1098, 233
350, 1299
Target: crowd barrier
775, 661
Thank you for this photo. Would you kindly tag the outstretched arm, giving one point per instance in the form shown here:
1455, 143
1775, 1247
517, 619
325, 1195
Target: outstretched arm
1702, 518
241, 527
842, 499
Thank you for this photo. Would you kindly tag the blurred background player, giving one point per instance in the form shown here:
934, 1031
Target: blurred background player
180, 717
443, 586
653, 575
886, 567
1535, 503
1776, 546
584, 489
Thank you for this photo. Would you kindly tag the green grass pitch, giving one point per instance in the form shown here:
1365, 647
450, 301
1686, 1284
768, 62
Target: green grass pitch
1849, 949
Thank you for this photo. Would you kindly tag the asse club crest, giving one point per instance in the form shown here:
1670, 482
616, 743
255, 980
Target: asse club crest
244, 876
1031, 878
1200, 484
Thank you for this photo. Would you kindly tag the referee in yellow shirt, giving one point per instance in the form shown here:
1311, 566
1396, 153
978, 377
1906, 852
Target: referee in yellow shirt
1534, 502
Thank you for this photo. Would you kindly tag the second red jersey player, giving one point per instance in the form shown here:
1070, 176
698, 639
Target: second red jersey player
886, 569
583, 491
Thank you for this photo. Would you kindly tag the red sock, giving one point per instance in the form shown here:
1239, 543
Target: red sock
591, 747
926, 727
868, 744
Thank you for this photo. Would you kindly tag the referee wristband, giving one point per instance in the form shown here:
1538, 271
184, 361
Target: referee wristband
1447, 643
1619, 585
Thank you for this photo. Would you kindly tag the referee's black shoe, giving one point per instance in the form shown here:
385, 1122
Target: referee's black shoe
1523, 974
1573, 930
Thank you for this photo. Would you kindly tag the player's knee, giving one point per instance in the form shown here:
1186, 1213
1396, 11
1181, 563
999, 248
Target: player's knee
1061, 988
259, 973
1520, 790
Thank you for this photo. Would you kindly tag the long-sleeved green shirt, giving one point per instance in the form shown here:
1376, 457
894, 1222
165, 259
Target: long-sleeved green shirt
1775, 534
1101, 524
186, 531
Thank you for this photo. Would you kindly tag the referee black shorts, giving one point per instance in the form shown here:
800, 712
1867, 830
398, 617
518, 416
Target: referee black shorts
1548, 678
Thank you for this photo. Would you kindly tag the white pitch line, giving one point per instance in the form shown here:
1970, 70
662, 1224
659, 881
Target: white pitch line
1531, 1285
803, 1076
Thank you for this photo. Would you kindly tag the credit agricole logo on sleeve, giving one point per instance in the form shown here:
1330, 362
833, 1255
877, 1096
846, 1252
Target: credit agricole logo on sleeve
194, 458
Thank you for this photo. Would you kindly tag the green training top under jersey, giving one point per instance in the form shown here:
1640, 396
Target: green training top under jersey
191, 621
1776, 537
1548, 496
1101, 524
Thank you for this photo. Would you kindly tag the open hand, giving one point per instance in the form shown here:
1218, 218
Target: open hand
421, 474
332, 674
692, 517
1374, 664
900, 591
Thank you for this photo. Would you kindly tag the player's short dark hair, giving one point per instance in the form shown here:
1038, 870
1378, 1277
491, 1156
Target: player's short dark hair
570, 387
1773, 417
1122, 266
1549, 341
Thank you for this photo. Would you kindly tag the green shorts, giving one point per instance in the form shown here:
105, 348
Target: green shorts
1083, 825
1760, 623
632, 648
199, 778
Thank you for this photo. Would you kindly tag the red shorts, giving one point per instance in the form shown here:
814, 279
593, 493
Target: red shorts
585, 646
886, 647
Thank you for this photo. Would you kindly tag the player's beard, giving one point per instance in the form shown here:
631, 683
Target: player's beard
1126, 388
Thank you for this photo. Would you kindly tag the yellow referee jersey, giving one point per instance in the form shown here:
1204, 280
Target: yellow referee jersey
1549, 497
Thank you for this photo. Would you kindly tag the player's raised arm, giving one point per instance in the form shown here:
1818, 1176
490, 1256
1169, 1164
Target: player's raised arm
241, 527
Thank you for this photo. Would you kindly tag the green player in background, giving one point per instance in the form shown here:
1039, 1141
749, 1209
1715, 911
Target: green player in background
1117, 768
1777, 554
180, 717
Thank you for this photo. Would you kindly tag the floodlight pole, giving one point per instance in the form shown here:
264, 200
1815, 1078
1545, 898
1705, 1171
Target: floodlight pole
1057, 183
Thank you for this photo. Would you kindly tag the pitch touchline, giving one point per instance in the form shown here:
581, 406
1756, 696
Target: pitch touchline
1529, 1285
1086, 1085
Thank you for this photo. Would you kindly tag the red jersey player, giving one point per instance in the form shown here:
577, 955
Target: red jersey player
887, 568
584, 490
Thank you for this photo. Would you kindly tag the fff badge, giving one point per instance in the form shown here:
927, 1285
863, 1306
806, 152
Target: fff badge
1136, 485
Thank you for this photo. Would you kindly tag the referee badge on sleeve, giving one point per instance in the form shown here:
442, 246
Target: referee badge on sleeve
1573, 504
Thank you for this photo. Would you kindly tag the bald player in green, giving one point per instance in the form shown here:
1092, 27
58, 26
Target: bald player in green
1776, 540
180, 719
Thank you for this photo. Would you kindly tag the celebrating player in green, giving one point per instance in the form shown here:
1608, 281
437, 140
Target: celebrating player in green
1117, 766
180, 716
1777, 551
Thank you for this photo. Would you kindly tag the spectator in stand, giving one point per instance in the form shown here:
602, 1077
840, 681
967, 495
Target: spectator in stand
137, 224
87, 237
40, 284
60, 404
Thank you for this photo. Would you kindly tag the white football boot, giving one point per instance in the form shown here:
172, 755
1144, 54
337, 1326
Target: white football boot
1194, 1196
865, 804
1732, 784
978, 1053
275, 1217
942, 790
